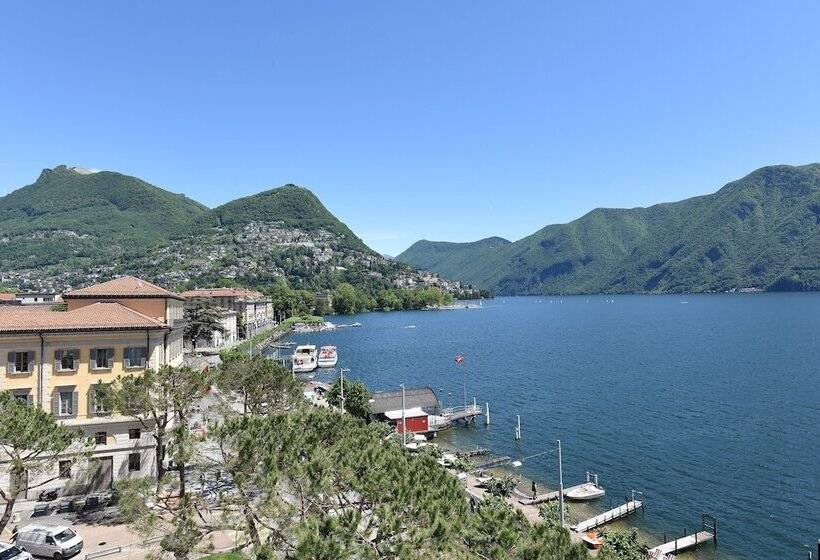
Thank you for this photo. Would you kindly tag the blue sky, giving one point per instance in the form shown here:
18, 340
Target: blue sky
437, 120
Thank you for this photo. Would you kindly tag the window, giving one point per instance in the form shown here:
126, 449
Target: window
102, 358
66, 403
67, 360
135, 357
133, 462
98, 400
100, 438
134, 433
65, 469
24, 396
20, 362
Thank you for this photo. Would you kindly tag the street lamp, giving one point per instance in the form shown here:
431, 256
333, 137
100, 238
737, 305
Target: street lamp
517, 463
403, 418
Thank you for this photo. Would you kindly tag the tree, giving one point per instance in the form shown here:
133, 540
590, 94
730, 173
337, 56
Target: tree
357, 397
623, 545
32, 441
162, 401
203, 319
500, 486
260, 383
550, 512
346, 299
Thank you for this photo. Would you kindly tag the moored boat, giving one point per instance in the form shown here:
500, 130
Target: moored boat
328, 357
304, 358
585, 492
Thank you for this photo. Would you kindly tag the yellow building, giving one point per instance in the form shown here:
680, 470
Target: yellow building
58, 359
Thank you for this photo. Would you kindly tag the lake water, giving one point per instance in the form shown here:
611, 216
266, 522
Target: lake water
706, 403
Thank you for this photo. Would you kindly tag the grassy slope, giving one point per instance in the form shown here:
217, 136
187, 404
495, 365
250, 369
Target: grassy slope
761, 230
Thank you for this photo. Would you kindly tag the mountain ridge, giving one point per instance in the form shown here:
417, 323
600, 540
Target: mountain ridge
760, 231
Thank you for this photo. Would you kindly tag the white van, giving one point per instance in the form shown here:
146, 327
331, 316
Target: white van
11, 552
50, 541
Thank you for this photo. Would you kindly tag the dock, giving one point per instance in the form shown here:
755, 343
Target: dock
549, 496
623, 510
462, 413
708, 533
683, 543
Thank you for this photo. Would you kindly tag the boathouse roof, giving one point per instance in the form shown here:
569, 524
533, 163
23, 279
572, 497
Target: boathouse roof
422, 397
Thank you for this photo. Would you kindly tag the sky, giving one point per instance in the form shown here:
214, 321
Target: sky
415, 120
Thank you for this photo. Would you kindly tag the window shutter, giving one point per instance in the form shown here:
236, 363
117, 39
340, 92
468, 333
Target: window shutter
93, 358
31, 356
55, 404
109, 358
58, 360
10, 364
76, 359
75, 398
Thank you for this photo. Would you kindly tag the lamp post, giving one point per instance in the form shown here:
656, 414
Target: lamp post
342, 392
560, 483
403, 418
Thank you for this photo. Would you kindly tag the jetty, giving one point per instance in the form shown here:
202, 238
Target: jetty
619, 512
549, 496
708, 533
464, 414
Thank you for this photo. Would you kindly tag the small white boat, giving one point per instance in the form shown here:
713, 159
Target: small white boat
304, 359
585, 492
328, 357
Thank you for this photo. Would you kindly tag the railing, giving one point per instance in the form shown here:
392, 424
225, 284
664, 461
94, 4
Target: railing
469, 409
103, 552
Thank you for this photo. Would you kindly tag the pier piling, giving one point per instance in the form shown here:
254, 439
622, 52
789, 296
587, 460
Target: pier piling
487, 414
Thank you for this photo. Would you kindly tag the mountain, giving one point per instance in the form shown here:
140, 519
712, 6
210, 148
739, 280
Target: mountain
759, 232
72, 227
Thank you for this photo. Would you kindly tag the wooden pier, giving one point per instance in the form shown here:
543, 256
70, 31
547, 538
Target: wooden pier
462, 413
708, 533
623, 510
548, 497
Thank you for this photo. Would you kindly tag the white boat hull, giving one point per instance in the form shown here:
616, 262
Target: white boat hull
328, 362
585, 492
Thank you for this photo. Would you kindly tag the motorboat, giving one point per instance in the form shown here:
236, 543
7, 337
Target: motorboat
304, 358
328, 357
585, 492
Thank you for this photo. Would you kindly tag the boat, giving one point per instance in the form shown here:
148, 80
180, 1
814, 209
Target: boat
304, 358
327, 357
592, 539
585, 492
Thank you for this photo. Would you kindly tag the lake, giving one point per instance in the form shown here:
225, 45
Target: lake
706, 403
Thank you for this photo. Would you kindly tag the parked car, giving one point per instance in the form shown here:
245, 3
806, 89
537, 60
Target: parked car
12, 552
50, 541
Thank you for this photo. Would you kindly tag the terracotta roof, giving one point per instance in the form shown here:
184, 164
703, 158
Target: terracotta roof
100, 316
124, 286
222, 292
7, 297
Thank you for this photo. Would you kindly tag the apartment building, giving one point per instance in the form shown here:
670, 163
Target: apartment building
254, 309
61, 360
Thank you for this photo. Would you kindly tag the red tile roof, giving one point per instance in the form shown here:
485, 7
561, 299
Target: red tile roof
7, 297
100, 316
124, 286
222, 292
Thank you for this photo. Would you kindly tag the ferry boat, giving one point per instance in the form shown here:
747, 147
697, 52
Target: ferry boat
304, 358
328, 357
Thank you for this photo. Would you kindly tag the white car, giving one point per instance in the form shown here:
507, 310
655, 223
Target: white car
11, 552
50, 541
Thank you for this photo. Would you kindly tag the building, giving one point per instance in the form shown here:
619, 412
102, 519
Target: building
422, 410
254, 310
229, 334
38, 298
8, 299
61, 360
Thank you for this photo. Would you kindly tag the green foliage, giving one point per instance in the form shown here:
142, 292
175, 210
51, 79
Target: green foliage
760, 231
500, 486
32, 441
623, 545
261, 385
550, 512
357, 397
203, 319
347, 299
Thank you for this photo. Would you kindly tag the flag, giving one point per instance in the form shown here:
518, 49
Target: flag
459, 359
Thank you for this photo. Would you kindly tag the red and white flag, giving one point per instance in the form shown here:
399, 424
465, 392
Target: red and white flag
459, 359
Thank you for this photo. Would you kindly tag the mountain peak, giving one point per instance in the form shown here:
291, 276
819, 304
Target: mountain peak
66, 170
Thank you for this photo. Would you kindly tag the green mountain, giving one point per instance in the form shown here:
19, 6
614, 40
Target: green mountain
73, 226
290, 206
761, 231
71, 215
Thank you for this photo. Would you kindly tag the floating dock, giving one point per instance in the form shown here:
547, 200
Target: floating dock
683, 543
623, 510
548, 497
